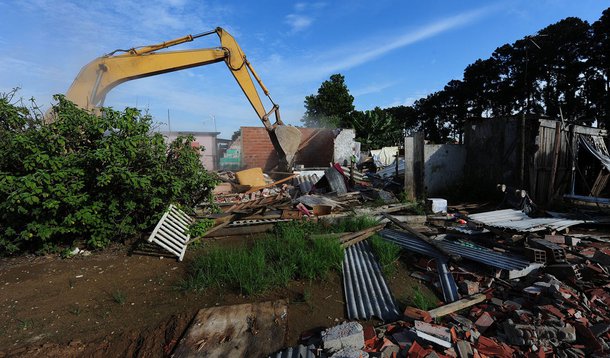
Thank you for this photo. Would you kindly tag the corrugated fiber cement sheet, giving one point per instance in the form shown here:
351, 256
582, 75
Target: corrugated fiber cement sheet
366, 292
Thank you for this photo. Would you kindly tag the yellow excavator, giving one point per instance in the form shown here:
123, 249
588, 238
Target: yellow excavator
98, 77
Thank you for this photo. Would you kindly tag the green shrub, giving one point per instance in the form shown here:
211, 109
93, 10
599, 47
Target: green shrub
87, 177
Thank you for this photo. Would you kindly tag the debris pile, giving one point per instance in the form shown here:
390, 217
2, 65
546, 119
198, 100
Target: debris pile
512, 285
513, 282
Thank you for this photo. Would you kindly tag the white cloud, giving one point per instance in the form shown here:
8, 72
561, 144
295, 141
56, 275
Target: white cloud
372, 88
347, 57
298, 22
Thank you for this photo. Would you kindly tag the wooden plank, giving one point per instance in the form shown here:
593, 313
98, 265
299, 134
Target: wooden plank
257, 188
600, 182
551, 188
356, 237
242, 230
247, 330
457, 305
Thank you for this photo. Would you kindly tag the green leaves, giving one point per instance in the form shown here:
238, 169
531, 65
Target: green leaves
89, 178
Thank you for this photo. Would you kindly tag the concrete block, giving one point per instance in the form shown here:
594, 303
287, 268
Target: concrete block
484, 322
346, 335
469, 287
436, 205
567, 333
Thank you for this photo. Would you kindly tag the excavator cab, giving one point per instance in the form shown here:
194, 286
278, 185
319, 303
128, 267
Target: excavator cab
98, 77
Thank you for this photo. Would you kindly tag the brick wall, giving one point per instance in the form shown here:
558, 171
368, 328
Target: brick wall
257, 150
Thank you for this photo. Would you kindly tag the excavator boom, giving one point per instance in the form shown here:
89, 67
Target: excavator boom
101, 75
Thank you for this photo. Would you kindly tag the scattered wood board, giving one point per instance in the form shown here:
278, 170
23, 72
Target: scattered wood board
257, 188
247, 330
457, 305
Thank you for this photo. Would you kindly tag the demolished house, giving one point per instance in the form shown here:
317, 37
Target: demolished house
549, 159
515, 280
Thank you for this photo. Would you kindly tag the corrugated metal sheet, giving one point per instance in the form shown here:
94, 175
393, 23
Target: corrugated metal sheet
366, 292
516, 265
300, 351
409, 242
517, 220
305, 182
390, 170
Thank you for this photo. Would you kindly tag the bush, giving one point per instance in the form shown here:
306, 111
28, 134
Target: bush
87, 177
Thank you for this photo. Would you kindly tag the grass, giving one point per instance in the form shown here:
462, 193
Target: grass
417, 207
75, 310
271, 262
119, 297
24, 324
353, 224
421, 300
387, 253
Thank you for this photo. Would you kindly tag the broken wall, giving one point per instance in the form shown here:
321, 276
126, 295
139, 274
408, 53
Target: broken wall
318, 148
345, 146
443, 167
495, 152
528, 153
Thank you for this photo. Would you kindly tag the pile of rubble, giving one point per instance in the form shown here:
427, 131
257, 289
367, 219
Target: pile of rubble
513, 282
512, 285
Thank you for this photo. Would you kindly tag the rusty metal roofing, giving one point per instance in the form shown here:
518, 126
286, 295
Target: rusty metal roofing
366, 292
519, 221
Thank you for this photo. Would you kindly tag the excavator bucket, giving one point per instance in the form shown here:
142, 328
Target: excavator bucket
286, 140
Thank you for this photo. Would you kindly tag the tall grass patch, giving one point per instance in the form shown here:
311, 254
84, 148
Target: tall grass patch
387, 253
354, 223
270, 262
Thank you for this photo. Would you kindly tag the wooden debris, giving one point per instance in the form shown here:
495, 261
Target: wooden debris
457, 305
351, 239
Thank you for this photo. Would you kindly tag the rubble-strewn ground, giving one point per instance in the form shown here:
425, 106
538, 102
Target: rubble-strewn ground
110, 303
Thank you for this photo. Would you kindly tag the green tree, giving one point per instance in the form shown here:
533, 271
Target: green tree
377, 128
91, 178
332, 106
598, 84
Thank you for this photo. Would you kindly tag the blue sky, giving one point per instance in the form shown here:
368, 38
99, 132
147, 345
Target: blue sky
390, 52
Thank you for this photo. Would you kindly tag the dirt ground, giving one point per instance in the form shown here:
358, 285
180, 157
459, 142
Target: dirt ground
115, 304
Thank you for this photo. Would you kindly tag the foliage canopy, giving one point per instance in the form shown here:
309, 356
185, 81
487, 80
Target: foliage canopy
89, 178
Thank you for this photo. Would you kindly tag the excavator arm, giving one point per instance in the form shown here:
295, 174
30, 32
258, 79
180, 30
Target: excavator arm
101, 75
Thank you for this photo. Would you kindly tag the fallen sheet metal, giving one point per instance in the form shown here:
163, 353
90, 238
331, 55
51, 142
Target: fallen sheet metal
248, 330
366, 292
517, 220
410, 242
515, 265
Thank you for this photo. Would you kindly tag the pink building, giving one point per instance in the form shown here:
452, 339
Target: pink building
209, 157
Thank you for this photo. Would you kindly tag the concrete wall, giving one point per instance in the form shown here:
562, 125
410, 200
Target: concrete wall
205, 139
443, 167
